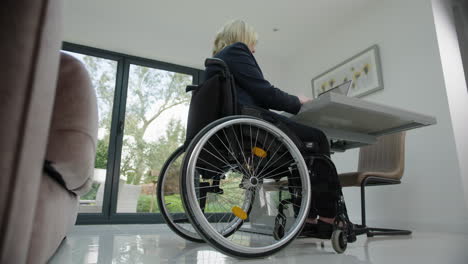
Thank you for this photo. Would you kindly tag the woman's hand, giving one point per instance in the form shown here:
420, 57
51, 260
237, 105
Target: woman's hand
304, 99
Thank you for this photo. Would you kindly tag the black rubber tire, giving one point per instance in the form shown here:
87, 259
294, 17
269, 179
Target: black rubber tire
179, 151
190, 211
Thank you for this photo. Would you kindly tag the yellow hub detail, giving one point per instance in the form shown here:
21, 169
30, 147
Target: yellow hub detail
259, 152
237, 211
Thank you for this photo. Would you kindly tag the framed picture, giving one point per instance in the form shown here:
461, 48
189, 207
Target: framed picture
364, 69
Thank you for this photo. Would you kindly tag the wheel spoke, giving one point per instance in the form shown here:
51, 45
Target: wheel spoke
240, 148
275, 169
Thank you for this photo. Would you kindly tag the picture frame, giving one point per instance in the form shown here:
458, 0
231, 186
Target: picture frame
364, 69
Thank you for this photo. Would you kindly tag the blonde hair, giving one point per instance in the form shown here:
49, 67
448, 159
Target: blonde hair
232, 32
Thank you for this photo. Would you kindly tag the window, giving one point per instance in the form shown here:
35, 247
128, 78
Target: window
103, 73
155, 122
143, 111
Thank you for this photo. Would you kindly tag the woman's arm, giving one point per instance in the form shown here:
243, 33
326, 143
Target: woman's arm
249, 76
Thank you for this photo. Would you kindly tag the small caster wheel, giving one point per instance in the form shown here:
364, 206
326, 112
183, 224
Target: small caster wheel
280, 223
339, 241
278, 232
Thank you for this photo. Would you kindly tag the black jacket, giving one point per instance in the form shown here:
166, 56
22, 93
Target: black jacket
251, 87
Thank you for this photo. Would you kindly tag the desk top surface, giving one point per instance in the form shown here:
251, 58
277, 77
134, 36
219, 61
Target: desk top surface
358, 121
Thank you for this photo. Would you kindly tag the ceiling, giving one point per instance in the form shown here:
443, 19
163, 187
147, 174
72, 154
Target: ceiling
182, 31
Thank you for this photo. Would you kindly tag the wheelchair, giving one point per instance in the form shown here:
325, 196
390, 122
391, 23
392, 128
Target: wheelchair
243, 181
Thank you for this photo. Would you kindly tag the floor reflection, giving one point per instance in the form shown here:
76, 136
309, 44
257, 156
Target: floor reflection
157, 244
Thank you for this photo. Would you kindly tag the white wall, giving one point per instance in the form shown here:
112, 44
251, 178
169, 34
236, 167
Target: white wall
162, 30
457, 92
431, 196
182, 31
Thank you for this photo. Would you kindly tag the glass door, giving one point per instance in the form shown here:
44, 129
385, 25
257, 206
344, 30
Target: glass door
143, 110
155, 121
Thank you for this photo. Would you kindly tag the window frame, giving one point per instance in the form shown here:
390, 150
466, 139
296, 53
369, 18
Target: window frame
109, 206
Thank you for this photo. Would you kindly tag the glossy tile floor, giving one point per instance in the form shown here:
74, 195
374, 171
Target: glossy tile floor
157, 244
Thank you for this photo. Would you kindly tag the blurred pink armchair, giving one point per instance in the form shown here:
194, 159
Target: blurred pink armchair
48, 112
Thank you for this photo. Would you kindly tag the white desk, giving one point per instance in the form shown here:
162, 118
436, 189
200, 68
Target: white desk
351, 122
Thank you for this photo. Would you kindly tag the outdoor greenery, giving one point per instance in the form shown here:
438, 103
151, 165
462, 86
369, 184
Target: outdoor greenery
101, 154
151, 94
144, 204
91, 195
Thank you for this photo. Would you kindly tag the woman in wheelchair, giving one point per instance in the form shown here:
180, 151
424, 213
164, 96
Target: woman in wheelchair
235, 44
250, 178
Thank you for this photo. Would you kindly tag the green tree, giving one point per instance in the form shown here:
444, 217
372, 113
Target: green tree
151, 93
103, 77
102, 73
159, 151
101, 154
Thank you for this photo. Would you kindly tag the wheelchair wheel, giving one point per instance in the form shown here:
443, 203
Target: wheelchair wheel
169, 200
247, 172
